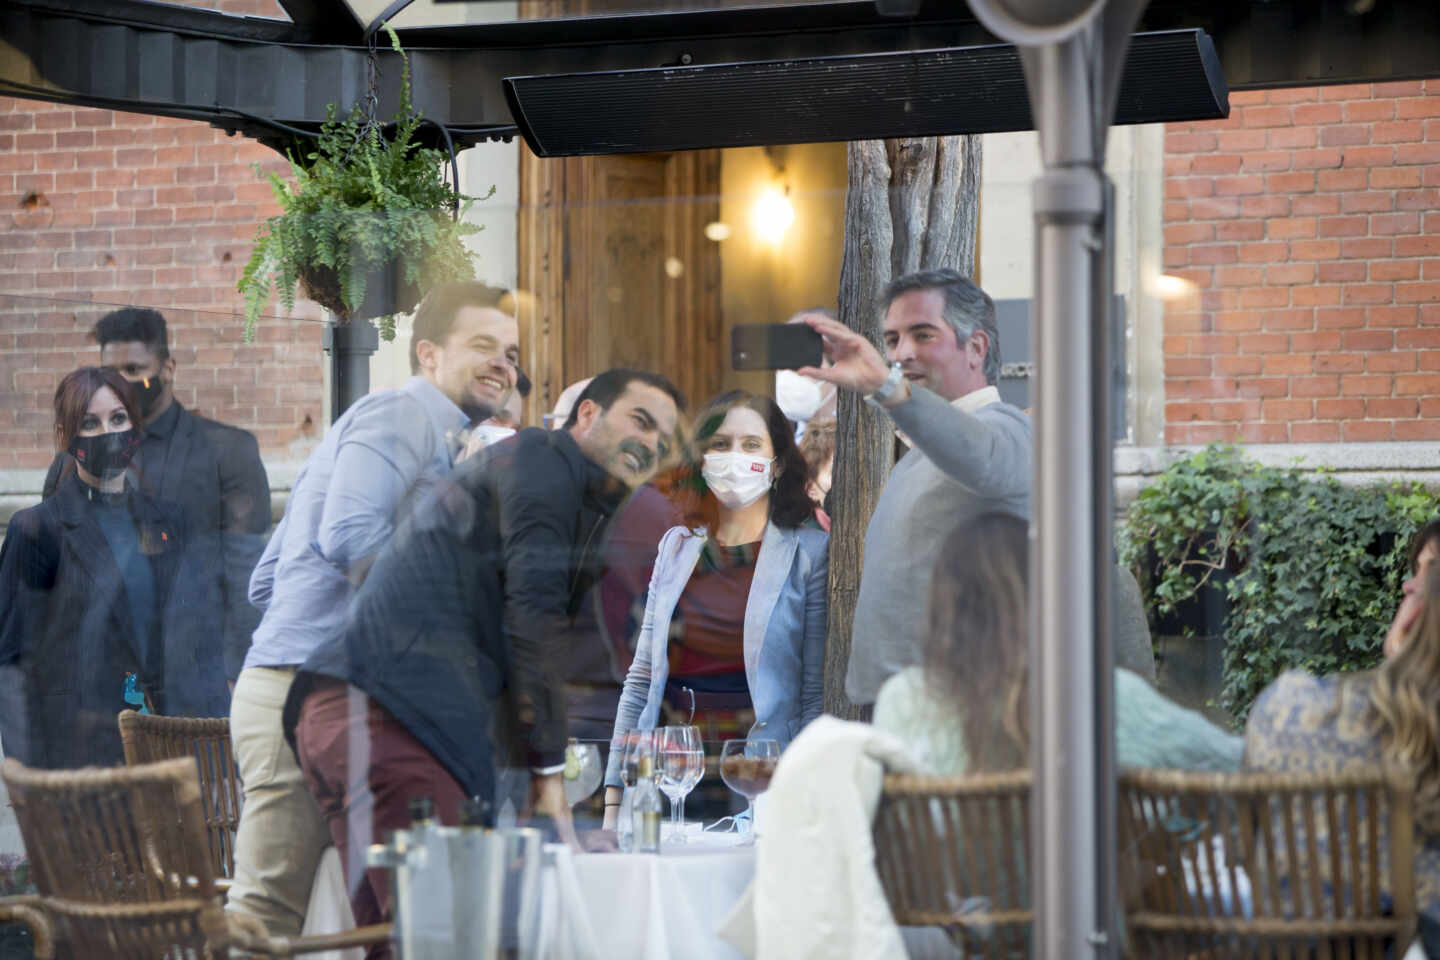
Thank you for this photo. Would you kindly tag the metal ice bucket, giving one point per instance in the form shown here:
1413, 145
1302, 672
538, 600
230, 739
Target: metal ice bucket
464, 893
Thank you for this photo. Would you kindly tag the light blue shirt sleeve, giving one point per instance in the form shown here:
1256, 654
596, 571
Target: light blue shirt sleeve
262, 578
381, 456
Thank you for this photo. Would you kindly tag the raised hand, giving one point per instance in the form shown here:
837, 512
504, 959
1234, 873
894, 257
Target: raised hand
858, 366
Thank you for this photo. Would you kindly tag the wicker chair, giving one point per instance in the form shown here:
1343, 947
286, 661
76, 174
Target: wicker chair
1316, 853
148, 739
955, 852
120, 859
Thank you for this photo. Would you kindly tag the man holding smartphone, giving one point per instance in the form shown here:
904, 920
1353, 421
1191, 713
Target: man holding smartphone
970, 452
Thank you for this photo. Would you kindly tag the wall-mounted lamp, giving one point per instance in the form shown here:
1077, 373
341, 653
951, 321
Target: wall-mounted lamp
772, 215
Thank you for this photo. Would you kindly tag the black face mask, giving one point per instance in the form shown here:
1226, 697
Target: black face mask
147, 393
106, 455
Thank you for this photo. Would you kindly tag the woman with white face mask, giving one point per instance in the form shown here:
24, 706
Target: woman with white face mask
735, 616
803, 398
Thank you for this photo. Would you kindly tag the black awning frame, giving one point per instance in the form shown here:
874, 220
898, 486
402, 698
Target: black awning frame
270, 79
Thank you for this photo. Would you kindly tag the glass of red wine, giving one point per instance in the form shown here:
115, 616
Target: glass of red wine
747, 766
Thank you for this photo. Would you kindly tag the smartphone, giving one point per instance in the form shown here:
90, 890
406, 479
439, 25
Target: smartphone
774, 346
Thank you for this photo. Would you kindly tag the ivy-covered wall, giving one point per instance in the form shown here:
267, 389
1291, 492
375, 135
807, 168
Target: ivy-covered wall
1307, 569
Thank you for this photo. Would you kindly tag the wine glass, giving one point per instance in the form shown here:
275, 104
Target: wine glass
582, 771
746, 766
682, 764
760, 730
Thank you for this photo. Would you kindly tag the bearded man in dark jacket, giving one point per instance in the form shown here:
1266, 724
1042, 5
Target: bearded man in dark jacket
464, 611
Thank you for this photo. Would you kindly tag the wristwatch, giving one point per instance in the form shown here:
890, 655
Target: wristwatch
887, 389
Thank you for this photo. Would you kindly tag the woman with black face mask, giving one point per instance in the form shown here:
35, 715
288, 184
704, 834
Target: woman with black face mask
84, 579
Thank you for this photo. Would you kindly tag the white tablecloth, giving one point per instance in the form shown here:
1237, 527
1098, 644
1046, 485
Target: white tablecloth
598, 906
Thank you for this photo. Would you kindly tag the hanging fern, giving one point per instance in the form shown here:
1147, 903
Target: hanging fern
358, 203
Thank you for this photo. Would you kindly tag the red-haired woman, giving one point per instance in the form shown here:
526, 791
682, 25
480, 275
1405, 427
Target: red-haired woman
84, 577
735, 617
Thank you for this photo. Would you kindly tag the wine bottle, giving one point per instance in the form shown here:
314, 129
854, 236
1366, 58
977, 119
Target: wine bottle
646, 810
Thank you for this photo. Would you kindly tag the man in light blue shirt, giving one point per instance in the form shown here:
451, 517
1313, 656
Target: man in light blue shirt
374, 460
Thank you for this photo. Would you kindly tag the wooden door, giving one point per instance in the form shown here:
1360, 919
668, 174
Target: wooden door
618, 270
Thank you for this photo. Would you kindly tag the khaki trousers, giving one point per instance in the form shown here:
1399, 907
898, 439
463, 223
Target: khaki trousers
281, 835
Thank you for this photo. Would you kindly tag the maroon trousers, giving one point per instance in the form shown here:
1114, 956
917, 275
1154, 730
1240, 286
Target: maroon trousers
364, 768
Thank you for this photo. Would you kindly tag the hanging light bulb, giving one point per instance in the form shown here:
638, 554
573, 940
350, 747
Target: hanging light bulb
772, 215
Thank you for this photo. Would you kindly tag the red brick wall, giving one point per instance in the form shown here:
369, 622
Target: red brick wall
1309, 224
99, 209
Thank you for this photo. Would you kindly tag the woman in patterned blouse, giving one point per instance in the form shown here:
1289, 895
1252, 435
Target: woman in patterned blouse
1389, 715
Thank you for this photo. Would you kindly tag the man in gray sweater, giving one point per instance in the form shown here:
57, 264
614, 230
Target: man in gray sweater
970, 453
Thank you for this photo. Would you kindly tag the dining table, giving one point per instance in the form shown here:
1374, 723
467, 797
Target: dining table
643, 906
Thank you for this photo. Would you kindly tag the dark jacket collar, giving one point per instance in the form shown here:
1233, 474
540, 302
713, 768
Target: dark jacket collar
164, 425
73, 500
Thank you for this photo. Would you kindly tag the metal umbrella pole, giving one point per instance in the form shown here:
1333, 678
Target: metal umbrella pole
1072, 51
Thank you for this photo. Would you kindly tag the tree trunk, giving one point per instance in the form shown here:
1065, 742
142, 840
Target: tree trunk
912, 205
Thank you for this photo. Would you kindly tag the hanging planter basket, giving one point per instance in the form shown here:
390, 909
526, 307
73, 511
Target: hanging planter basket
386, 292
368, 208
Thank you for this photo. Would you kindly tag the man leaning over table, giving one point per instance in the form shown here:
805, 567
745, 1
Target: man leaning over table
461, 631
373, 461
970, 452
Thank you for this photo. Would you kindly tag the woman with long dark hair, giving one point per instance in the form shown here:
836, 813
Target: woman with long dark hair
735, 617
967, 709
84, 578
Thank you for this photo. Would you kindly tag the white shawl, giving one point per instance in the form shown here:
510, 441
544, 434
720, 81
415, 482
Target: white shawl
815, 892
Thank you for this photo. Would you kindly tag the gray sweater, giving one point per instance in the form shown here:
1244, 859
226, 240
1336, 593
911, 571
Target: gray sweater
961, 465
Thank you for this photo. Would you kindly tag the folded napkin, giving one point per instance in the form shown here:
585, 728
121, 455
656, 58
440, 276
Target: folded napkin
815, 893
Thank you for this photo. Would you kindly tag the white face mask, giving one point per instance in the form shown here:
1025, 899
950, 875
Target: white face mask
491, 432
736, 479
799, 398
480, 437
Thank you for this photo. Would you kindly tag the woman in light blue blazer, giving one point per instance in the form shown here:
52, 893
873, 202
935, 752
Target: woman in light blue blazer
736, 612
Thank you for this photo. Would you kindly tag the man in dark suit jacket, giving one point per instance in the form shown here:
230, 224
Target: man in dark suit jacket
213, 473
